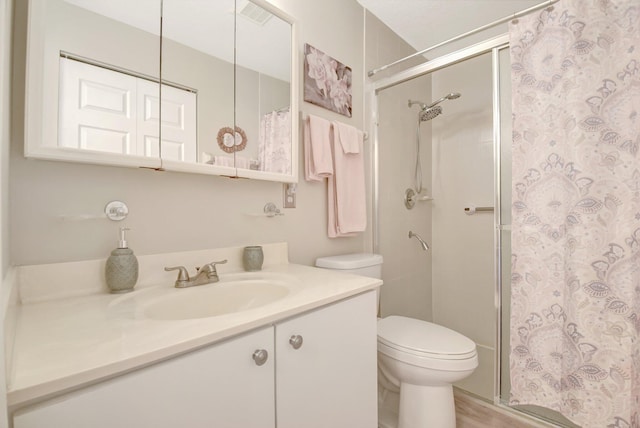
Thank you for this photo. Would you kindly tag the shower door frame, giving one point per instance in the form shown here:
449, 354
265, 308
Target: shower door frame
494, 46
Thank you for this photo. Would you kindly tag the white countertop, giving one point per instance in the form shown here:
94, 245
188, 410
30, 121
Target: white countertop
68, 343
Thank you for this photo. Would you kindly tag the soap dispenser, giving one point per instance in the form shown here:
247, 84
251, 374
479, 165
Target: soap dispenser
121, 270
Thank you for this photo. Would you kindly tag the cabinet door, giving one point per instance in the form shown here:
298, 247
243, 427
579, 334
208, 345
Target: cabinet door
330, 381
220, 386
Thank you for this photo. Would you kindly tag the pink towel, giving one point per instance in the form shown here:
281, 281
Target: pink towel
318, 161
347, 212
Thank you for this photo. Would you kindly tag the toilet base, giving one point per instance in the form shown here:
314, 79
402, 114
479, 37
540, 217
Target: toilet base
388, 403
387, 419
426, 406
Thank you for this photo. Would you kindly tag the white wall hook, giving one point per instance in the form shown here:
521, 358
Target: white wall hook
116, 210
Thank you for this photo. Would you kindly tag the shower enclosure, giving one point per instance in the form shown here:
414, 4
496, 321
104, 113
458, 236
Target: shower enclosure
463, 211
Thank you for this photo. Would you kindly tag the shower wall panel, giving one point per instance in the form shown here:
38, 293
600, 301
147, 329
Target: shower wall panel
407, 267
463, 245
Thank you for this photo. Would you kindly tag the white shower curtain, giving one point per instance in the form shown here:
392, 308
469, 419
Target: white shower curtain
575, 309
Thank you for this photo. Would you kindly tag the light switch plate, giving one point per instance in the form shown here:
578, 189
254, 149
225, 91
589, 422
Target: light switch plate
289, 194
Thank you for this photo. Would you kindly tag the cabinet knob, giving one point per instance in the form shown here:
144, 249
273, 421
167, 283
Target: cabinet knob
296, 341
260, 356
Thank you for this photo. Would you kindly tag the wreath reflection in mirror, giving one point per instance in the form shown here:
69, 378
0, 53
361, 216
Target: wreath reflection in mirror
232, 141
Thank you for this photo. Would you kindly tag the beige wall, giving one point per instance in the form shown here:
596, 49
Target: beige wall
463, 247
407, 268
6, 13
175, 211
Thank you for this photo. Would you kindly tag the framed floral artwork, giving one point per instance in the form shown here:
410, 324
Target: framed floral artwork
327, 82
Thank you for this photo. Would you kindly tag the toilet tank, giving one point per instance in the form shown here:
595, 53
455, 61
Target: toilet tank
365, 264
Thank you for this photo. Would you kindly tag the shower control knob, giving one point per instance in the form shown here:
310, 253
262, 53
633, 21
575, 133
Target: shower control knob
260, 356
296, 341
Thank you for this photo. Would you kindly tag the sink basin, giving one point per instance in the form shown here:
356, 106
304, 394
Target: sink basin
216, 299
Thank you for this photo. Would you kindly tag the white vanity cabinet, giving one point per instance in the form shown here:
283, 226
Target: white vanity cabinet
219, 386
329, 381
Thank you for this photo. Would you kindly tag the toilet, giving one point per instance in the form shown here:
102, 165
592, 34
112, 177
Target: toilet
418, 359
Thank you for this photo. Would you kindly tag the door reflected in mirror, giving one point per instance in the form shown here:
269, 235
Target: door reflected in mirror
97, 76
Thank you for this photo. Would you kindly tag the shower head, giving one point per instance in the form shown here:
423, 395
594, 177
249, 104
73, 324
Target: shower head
429, 113
451, 96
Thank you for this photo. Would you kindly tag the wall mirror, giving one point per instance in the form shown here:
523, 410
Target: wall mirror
85, 86
253, 75
210, 91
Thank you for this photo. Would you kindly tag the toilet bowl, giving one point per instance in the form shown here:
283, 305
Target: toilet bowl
418, 359
423, 360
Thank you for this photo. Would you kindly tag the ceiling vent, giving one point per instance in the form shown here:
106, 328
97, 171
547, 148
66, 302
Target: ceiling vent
255, 13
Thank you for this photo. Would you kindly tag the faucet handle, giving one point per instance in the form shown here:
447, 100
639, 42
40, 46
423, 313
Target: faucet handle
211, 267
183, 275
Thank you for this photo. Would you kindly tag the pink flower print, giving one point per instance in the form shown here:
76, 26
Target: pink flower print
340, 94
322, 69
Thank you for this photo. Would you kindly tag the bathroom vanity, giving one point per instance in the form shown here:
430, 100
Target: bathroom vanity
304, 358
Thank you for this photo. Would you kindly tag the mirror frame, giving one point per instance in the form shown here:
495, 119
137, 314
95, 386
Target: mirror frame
35, 136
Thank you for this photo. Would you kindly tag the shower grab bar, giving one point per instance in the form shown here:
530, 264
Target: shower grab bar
472, 210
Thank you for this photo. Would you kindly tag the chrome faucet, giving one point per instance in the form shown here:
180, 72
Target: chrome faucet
205, 275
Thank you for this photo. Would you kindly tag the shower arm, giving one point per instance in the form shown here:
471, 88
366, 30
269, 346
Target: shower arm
436, 103
451, 96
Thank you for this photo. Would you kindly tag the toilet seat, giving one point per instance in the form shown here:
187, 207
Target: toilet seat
425, 344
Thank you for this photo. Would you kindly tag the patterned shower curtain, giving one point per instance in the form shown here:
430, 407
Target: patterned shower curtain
575, 310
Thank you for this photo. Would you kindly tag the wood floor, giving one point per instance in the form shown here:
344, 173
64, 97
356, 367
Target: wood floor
474, 413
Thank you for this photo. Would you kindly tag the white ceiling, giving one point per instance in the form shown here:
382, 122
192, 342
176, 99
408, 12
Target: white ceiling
424, 23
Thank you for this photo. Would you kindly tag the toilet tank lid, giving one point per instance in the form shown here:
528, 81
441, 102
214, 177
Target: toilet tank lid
349, 261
